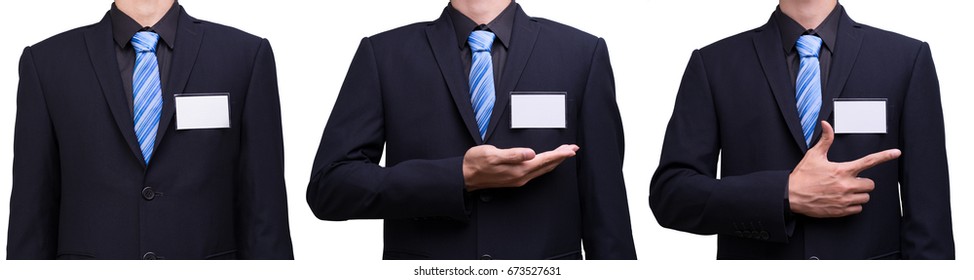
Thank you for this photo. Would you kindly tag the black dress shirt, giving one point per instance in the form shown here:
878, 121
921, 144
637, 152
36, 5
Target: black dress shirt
502, 26
124, 28
790, 31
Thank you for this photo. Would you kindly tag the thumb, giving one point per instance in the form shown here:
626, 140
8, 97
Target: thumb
825, 142
516, 155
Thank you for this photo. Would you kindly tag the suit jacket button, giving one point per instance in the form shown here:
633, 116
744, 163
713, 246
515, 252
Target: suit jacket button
149, 256
813, 258
486, 257
486, 197
148, 193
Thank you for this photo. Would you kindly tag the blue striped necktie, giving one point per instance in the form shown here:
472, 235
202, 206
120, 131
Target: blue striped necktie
808, 87
146, 91
481, 78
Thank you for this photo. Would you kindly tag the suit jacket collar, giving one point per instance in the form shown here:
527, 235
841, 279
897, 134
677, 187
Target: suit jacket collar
99, 42
524, 35
442, 38
189, 36
768, 46
844, 58
101, 51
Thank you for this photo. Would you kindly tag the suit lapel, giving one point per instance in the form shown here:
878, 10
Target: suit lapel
844, 57
523, 37
767, 44
101, 51
443, 42
188, 39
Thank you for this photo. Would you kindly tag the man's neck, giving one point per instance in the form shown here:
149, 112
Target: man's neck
480, 11
145, 12
809, 13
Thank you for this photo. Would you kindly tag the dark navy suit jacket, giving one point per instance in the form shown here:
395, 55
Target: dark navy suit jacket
406, 90
736, 101
81, 187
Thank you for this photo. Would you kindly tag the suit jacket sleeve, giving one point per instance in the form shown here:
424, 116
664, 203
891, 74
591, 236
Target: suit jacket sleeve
34, 200
347, 182
685, 194
926, 228
607, 233
262, 220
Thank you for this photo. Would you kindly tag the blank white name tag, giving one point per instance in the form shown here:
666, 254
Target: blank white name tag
538, 109
862, 116
202, 111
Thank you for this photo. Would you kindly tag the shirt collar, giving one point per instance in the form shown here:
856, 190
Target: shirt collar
790, 29
124, 27
502, 25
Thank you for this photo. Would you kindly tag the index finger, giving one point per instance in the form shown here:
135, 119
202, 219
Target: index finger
547, 161
567, 147
869, 161
560, 153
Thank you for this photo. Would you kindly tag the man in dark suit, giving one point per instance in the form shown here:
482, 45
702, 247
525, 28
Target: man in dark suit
148, 135
757, 101
452, 102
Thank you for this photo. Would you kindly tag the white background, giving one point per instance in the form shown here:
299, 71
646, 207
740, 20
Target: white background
649, 43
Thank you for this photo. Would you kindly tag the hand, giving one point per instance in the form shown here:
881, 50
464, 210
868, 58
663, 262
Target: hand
486, 166
823, 189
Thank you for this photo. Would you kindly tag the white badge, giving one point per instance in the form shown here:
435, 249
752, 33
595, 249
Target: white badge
202, 111
538, 109
860, 115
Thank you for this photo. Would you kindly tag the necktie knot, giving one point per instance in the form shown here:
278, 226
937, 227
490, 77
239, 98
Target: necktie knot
145, 41
481, 41
809, 45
